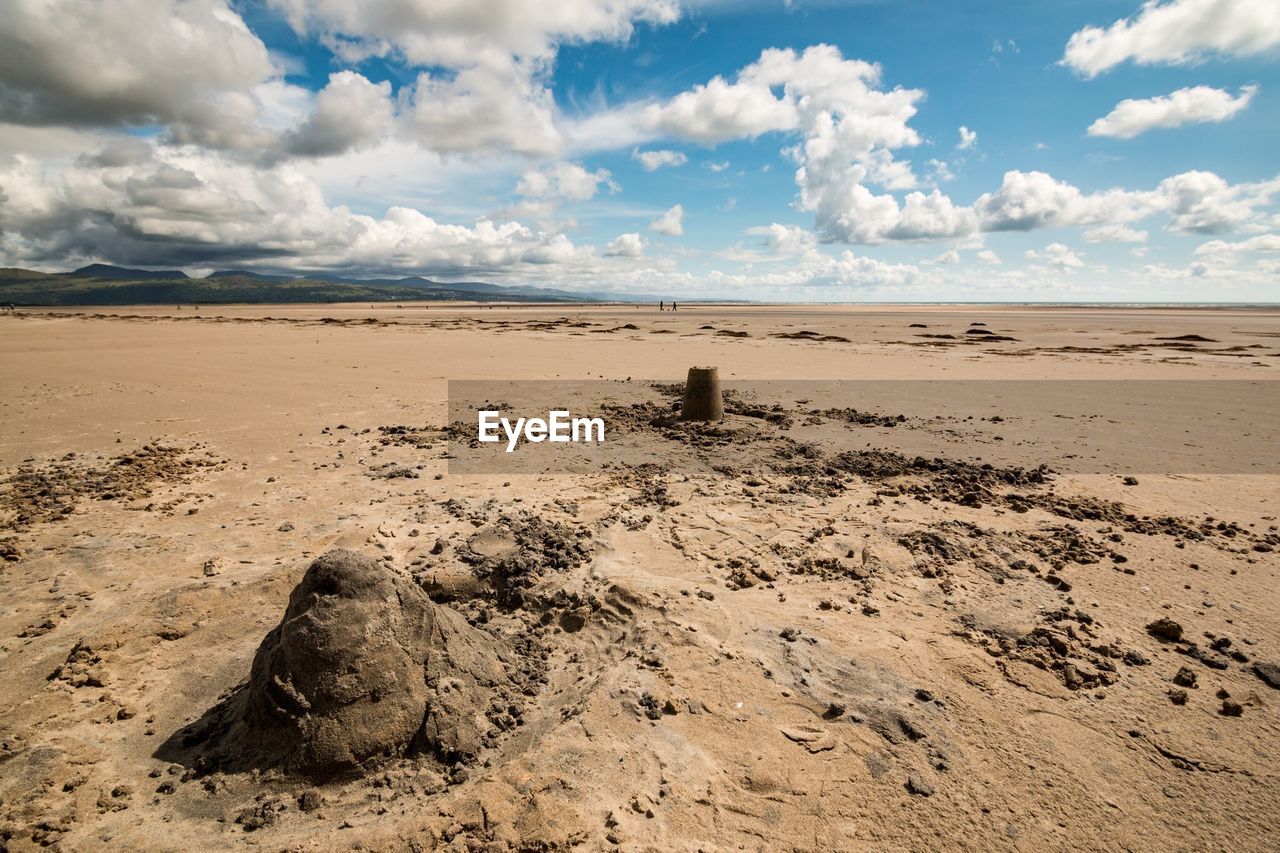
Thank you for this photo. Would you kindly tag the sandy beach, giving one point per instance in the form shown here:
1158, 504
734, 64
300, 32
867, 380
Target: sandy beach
822, 624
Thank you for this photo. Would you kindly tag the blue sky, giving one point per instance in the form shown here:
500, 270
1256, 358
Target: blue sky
504, 140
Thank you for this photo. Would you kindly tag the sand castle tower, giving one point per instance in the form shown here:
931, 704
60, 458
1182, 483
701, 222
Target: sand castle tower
703, 400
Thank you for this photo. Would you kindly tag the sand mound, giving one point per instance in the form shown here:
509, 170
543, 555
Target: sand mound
364, 666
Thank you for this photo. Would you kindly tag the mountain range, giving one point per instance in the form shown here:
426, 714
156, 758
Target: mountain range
104, 284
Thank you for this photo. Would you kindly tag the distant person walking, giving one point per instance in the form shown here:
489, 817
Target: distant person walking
662, 306
673, 306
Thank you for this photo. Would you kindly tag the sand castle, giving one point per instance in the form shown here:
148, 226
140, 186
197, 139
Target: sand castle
703, 400
364, 666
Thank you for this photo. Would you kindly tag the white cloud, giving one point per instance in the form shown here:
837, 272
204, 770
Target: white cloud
817, 91
785, 239
485, 110
136, 203
860, 216
626, 246
858, 271
989, 257
670, 223
651, 161
1062, 257
487, 90
476, 33
1057, 255
1025, 200
717, 167
350, 112
940, 171
1259, 243
967, 138
1204, 203
1114, 234
1177, 32
1197, 202
848, 129
194, 68
719, 111
568, 181
1194, 105
815, 275
134, 62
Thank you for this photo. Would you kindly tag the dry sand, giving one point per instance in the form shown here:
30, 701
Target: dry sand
749, 641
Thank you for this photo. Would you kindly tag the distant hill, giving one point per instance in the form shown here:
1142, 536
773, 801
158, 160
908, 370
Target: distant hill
103, 284
106, 271
256, 276
18, 274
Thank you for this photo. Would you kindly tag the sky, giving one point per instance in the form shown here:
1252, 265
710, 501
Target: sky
919, 150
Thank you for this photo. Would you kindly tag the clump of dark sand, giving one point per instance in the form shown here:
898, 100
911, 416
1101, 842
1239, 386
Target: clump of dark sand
364, 667
36, 494
807, 335
514, 554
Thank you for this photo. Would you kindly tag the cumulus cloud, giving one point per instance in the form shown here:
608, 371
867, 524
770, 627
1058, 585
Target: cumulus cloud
1196, 202
967, 138
475, 33
484, 110
136, 203
568, 181
720, 111
349, 113
849, 130
1193, 105
1204, 203
816, 275
816, 91
989, 257
849, 127
785, 239
651, 161
626, 246
940, 172
194, 68
1114, 234
131, 62
1056, 255
1026, 200
847, 146
1259, 243
487, 90
670, 223
1177, 32
852, 270
852, 213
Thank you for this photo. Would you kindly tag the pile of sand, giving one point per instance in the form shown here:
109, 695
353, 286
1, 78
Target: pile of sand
365, 667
